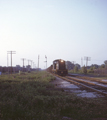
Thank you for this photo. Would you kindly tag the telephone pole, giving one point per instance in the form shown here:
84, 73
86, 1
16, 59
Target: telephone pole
87, 59
28, 62
7, 63
28, 68
38, 61
11, 52
73, 65
31, 63
81, 62
23, 63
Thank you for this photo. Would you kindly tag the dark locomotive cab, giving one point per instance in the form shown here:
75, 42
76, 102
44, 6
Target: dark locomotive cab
59, 67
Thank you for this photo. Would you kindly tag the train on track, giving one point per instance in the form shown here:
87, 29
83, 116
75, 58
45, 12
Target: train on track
58, 67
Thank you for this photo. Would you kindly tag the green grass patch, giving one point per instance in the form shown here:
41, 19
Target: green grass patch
31, 96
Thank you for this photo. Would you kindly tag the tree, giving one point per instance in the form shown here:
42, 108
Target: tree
105, 62
102, 66
77, 65
69, 65
94, 67
91, 68
75, 69
84, 69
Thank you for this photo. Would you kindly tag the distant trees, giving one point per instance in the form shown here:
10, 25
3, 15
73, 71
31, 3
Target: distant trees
105, 62
78, 66
69, 65
94, 68
102, 66
75, 69
84, 69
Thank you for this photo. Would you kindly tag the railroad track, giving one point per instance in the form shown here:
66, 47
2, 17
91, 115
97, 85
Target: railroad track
92, 85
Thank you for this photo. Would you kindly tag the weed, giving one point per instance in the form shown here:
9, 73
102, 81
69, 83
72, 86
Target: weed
31, 96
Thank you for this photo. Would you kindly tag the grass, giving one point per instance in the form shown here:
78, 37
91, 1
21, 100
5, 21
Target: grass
30, 96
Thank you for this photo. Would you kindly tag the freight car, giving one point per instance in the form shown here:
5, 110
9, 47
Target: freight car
59, 67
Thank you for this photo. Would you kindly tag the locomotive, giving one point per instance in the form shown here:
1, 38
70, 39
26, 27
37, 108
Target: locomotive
58, 67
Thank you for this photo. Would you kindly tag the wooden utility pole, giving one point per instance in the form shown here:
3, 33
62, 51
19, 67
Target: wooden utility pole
7, 63
81, 62
38, 61
23, 63
28, 62
11, 52
29, 67
31, 63
87, 59
73, 65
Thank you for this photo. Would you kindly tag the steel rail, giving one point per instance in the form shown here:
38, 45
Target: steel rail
78, 79
81, 85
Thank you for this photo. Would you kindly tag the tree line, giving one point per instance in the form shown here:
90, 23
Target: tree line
94, 68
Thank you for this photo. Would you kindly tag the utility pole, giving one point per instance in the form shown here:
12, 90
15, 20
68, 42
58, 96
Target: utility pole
11, 52
46, 61
73, 64
81, 62
7, 63
28, 62
38, 62
87, 59
28, 68
23, 63
31, 63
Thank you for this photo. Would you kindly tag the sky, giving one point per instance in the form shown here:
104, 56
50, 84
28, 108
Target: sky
59, 29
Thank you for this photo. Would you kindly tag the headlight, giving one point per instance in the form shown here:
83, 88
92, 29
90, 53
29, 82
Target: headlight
62, 61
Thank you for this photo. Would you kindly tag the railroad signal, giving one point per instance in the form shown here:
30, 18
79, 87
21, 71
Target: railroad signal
46, 61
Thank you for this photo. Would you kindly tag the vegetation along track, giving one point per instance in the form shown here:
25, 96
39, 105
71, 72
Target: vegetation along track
93, 85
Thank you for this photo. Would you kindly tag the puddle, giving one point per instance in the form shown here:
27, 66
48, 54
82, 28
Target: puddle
104, 80
87, 94
65, 84
84, 93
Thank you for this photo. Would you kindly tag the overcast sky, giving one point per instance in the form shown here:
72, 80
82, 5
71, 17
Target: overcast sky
59, 29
